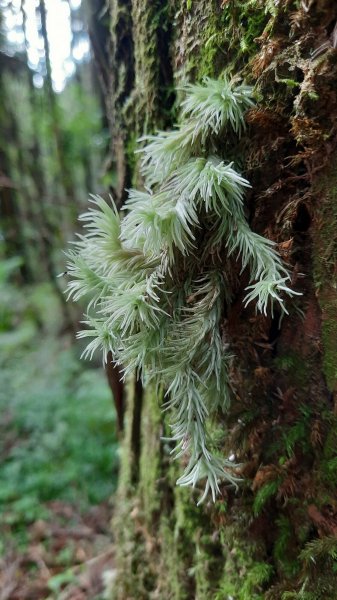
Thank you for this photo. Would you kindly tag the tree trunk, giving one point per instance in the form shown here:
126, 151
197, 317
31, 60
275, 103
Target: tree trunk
65, 175
276, 537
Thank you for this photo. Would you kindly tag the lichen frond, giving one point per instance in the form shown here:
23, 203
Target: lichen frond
267, 270
158, 222
207, 109
103, 338
210, 182
215, 104
164, 151
85, 280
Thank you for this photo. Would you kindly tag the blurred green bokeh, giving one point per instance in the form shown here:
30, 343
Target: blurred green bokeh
57, 422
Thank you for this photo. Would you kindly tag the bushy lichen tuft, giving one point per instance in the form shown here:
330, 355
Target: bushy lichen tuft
156, 279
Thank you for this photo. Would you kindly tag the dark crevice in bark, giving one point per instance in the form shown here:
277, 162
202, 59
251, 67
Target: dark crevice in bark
274, 332
116, 385
136, 430
303, 219
167, 95
121, 85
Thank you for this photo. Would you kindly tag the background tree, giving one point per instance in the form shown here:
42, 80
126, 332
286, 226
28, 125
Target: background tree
51, 147
276, 536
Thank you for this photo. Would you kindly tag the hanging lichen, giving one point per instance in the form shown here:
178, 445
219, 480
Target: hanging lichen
158, 281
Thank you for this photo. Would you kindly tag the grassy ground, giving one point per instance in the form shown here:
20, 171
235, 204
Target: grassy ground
58, 454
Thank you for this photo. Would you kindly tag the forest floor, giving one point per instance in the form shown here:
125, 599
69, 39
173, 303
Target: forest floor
58, 457
66, 556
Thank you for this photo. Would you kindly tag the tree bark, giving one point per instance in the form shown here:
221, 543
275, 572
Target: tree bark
276, 537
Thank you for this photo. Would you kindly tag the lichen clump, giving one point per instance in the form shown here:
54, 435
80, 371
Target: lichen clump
157, 279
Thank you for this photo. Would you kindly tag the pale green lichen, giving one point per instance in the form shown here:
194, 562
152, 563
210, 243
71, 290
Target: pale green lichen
157, 305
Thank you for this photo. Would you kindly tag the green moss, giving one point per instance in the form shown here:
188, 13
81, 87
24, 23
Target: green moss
127, 460
244, 22
295, 366
225, 36
174, 582
136, 576
325, 258
297, 436
289, 83
212, 43
208, 563
244, 576
328, 464
319, 565
329, 339
151, 24
285, 554
197, 34
146, 62
150, 458
291, 438
265, 493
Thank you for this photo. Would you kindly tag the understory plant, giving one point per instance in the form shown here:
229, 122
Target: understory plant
159, 278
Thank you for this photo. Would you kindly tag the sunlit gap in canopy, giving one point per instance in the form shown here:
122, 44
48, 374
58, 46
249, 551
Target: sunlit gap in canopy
65, 49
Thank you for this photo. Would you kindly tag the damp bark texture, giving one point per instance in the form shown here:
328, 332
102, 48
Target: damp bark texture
276, 537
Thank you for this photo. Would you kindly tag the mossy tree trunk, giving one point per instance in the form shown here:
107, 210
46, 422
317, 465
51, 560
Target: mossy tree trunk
277, 536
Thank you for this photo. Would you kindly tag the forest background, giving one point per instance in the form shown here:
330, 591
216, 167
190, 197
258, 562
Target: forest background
58, 449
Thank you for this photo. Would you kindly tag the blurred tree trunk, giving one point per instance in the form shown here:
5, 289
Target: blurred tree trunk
14, 210
277, 536
47, 234
65, 174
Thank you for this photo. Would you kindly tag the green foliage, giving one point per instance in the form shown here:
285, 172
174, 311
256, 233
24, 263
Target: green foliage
328, 465
50, 460
283, 551
293, 363
156, 279
244, 23
320, 549
319, 566
8, 293
267, 491
48, 407
301, 595
56, 582
296, 434
283, 537
292, 437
